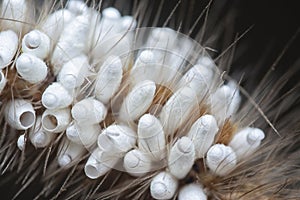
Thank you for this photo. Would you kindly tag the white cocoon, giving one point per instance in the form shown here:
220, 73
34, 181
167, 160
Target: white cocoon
110, 17
246, 141
151, 137
104, 28
21, 142
89, 111
117, 139
202, 133
56, 121
20, 114
74, 72
199, 78
225, 102
31, 68
127, 23
69, 152
181, 157
99, 163
145, 58
137, 101
8, 46
162, 38
72, 42
192, 191
41, 139
54, 24
111, 45
36, 43
177, 109
83, 134
56, 96
163, 186
77, 7
221, 159
108, 79
206, 61
38, 137
137, 163
147, 66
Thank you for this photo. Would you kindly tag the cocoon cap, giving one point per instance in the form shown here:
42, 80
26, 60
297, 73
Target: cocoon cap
20, 114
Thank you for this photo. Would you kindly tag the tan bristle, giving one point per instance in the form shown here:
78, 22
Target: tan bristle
162, 94
226, 132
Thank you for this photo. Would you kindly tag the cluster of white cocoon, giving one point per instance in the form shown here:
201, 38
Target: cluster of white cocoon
84, 48
35, 46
